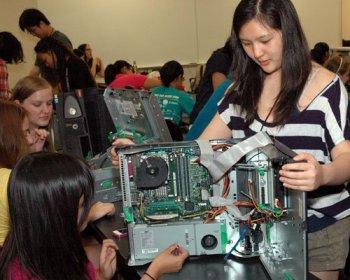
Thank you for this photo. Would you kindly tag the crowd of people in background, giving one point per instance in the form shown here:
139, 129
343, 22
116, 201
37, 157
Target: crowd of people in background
26, 113
250, 84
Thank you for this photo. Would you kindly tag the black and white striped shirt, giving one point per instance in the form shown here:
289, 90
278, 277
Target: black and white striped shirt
315, 130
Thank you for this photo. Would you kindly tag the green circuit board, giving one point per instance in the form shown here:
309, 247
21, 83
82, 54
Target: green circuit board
181, 192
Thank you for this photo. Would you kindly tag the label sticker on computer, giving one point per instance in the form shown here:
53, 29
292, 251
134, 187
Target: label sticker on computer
149, 251
147, 240
128, 108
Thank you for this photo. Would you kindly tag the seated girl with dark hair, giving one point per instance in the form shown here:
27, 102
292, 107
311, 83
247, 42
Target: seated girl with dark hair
320, 53
55, 192
121, 75
173, 101
72, 72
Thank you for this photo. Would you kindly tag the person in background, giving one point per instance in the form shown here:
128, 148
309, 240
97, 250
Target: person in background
279, 90
10, 51
172, 101
208, 111
320, 53
31, 121
62, 187
95, 63
340, 66
79, 53
216, 71
15, 138
154, 74
36, 23
35, 95
73, 73
121, 75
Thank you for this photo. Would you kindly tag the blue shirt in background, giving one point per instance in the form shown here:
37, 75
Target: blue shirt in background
173, 102
208, 112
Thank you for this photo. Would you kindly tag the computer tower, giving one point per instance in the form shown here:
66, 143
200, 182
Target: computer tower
73, 128
136, 115
99, 120
85, 123
215, 197
127, 113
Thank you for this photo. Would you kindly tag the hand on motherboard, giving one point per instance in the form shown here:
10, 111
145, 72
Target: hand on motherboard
118, 143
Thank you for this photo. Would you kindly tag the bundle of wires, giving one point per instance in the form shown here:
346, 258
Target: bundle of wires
269, 212
212, 214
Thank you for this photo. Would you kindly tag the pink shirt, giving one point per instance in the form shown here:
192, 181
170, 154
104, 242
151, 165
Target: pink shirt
135, 81
17, 273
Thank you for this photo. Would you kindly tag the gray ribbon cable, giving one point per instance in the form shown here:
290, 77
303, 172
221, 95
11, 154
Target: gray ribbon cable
218, 166
207, 153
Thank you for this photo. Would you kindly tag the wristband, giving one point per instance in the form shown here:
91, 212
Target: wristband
149, 276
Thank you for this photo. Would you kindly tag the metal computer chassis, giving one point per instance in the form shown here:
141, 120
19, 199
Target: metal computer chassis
282, 248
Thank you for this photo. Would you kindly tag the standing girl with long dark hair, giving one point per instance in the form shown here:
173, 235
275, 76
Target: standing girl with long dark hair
279, 90
73, 73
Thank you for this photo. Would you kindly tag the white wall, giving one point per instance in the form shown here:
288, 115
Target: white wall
148, 31
321, 20
214, 19
9, 14
346, 19
154, 31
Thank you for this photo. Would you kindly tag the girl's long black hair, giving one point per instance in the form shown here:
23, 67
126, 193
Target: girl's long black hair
51, 45
43, 193
296, 63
